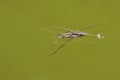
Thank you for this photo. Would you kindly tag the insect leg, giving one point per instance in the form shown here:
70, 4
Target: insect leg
66, 29
60, 46
50, 31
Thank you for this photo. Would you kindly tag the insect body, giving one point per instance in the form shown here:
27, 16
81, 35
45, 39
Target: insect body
71, 34
77, 34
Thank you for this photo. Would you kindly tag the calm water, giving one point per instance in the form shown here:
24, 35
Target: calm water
24, 49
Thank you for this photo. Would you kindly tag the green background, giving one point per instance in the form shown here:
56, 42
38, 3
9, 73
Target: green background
24, 48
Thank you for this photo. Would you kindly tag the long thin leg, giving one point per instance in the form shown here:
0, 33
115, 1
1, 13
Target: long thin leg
87, 27
50, 31
67, 29
60, 46
82, 29
62, 28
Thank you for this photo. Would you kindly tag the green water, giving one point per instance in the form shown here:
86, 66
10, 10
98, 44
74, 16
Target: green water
24, 49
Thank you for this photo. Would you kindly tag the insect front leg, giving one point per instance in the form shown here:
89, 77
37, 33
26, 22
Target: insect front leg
56, 38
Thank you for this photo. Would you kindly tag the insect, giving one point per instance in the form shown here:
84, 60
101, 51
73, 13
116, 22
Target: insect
71, 34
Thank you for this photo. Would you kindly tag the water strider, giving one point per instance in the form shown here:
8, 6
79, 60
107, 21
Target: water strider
70, 34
